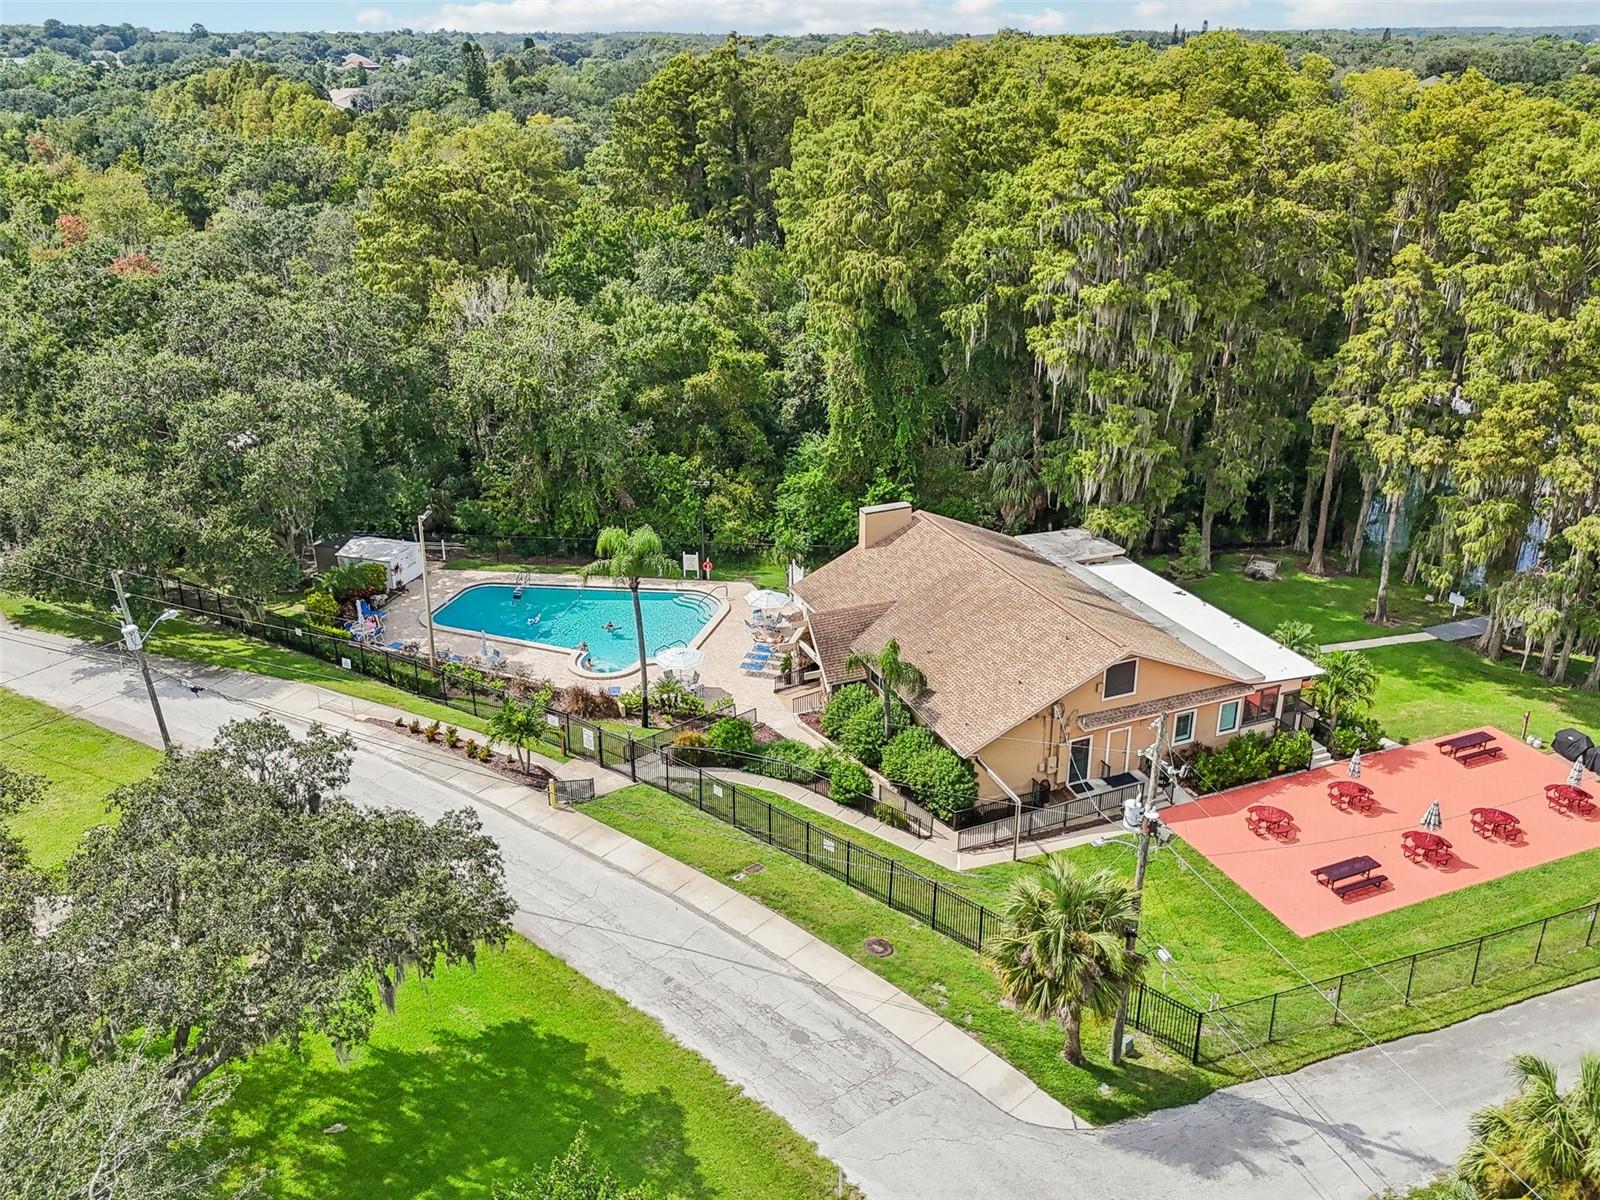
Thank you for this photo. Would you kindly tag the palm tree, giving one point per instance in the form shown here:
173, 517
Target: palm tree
1297, 636
895, 677
631, 557
518, 725
1348, 678
1541, 1140
1061, 951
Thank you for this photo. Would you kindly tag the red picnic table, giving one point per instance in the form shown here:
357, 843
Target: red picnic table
1564, 797
1349, 793
1495, 822
1264, 818
1420, 845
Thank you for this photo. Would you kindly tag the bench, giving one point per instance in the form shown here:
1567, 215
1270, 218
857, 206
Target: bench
1261, 568
1366, 881
1472, 756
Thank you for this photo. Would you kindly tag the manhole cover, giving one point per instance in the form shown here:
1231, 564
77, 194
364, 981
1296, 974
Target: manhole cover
879, 947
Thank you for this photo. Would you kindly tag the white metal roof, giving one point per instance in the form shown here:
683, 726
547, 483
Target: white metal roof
1203, 626
377, 549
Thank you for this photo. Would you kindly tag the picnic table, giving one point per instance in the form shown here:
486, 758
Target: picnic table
1421, 845
1349, 793
1565, 797
1465, 741
1495, 822
1350, 875
1473, 747
1264, 818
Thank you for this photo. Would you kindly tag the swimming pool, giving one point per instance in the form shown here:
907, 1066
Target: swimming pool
561, 617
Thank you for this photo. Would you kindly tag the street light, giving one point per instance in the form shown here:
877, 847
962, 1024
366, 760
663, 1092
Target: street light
703, 486
427, 603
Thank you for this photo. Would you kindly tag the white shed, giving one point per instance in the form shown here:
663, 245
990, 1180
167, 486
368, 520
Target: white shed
403, 558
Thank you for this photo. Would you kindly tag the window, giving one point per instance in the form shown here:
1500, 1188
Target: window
1120, 680
1183, 728
1228, 717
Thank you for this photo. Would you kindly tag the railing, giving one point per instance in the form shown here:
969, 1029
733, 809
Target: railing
801, 677
1050, 821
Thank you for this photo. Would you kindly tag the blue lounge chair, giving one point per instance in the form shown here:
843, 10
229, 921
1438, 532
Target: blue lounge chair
614, 690
759, 652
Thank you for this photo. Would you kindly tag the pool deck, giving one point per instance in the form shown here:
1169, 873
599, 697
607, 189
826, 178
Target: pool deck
724, 645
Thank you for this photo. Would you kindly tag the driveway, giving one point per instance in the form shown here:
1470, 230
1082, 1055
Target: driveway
901, 1128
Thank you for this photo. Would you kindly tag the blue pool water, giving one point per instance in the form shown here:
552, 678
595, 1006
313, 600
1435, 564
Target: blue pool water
565, 616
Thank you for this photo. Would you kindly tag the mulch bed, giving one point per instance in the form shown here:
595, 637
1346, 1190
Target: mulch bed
502, 764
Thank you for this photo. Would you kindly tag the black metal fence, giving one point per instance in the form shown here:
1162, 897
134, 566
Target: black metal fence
1566, 937
948, 911
918, 820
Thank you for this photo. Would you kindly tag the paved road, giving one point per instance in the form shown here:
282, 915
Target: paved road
901, 1128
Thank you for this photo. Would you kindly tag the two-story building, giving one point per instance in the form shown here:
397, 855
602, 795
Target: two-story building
1048, 656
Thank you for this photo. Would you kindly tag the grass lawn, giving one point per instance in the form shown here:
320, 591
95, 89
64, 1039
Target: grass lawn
201, 643
1429, 688
81, 765
481, 1075
1335, 606
484, 1075
942, 974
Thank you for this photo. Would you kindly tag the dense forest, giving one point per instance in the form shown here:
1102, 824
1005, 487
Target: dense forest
1187, 289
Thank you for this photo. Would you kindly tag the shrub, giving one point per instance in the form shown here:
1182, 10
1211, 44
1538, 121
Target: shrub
1242, 760
905, 746
891, 816
361, 580
399, 720
589, 702
690, 746
731, 736
1367, 733
452, 736
1186, 563
1347, 739
321, 607
843, 705
1290, 751
862, 735
942, 781
432, 732
849, 783
787, 751
416, 725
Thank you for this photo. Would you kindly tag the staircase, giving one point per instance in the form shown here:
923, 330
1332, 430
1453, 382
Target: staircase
1319, 755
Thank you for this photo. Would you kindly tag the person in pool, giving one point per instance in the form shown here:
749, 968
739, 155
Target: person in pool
610, 627
583, 654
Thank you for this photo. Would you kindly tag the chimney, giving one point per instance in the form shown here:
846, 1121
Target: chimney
880, 521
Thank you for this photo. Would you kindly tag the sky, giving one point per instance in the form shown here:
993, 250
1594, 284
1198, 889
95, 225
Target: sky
797, 16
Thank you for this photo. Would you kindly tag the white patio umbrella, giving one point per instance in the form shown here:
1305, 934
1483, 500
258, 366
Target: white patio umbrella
679, 658
759, 598
1575, 776
1355, 765
1433, 819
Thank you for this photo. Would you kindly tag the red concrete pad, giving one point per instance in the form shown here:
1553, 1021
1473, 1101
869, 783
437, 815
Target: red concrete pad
1404, 781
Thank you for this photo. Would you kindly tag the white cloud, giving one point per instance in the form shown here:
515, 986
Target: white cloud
1323, 14
376, 18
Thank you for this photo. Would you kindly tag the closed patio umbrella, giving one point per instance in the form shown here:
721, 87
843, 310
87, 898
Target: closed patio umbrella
1575, 776
1433, 819
679, 658
1355, 765
759, 598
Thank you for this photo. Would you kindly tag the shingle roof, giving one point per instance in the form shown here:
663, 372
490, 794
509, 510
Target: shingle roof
1108, 717
1000, 632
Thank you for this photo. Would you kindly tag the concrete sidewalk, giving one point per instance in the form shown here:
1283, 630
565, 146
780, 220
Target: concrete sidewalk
1450, 631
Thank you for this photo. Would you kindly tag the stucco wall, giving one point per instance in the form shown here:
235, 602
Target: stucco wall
1038, 747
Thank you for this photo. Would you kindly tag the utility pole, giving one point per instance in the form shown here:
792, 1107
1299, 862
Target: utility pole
427, 604
132, 639
1147, 823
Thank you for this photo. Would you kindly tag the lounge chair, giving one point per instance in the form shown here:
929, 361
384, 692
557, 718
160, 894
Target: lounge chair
614, 690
